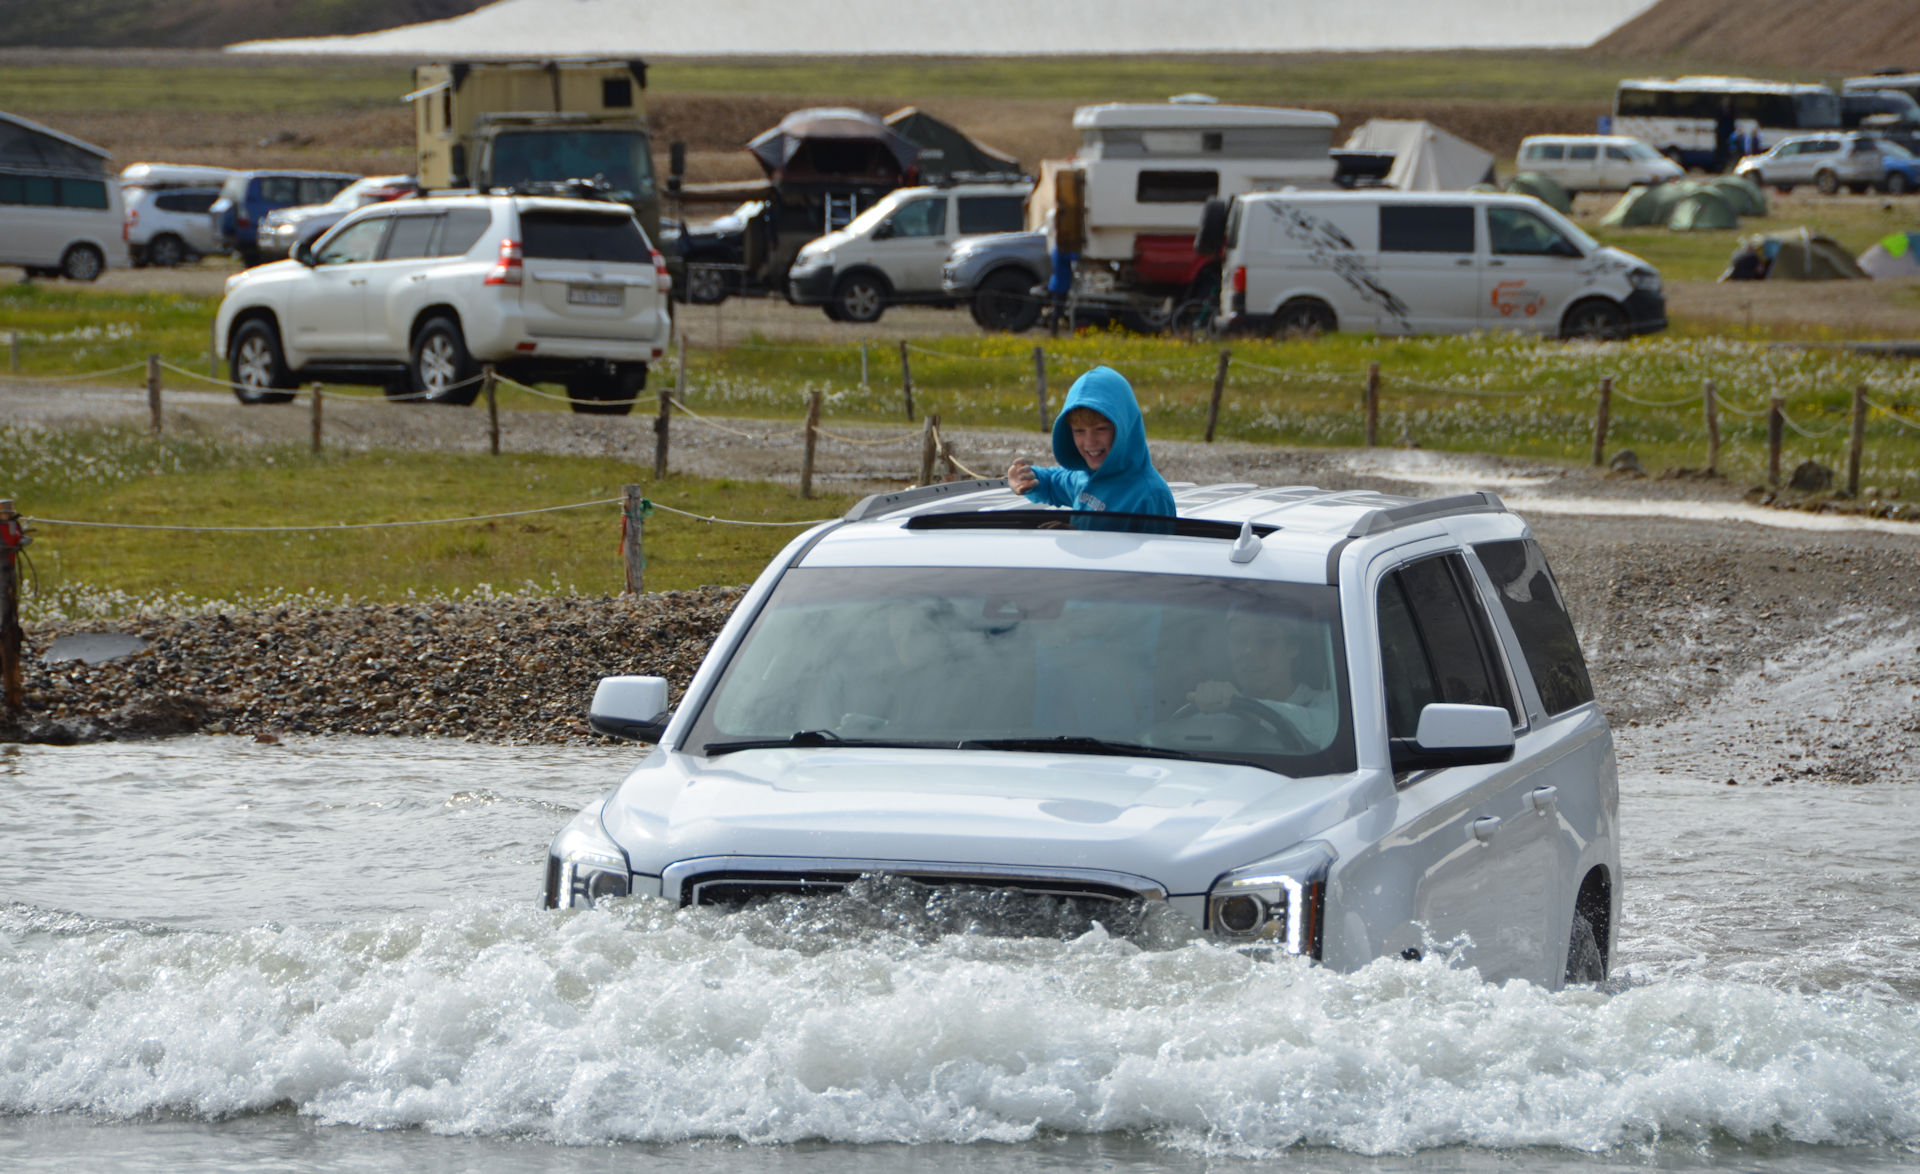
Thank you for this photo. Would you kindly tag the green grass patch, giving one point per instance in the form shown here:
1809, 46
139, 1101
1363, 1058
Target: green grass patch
129, 478
246, 86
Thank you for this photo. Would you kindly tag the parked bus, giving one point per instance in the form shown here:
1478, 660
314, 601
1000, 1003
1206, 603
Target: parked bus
1686, 118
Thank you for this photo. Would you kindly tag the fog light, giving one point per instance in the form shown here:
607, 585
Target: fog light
1241, 914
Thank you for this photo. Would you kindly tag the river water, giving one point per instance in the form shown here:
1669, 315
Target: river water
325, 956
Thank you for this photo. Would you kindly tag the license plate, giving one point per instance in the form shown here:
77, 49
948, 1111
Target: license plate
595, 295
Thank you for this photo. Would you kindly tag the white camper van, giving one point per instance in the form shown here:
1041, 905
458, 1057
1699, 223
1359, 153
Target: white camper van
60, 209
1427, 263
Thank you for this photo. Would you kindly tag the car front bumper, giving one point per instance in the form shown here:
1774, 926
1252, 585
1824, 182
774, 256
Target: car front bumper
811, 287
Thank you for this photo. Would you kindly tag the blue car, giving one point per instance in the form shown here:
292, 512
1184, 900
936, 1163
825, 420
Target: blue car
247, 197
1903, 167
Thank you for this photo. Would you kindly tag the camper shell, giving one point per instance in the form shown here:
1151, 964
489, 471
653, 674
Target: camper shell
1394, 262
60, 208
488, 124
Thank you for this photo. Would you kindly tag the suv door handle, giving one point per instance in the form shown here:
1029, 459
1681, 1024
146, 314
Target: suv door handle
1463, 260
1484, 827
1543, 798
1496, 262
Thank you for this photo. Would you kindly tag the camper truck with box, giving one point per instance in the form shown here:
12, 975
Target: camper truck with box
520, 124
1130, 201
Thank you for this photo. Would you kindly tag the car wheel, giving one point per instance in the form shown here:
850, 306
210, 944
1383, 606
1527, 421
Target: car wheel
1827, 182
255, 365
1897, 183
1304, 318
1595, 318
166, 251
1005, 301
82, 263
706, 285
443, 371
860, 297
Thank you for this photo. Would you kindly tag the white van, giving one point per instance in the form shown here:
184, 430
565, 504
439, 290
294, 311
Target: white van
1427, 263
60, 212
892, 253
1595, 163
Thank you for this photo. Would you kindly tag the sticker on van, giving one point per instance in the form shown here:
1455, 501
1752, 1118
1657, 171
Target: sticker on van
1510, 297
1332, 249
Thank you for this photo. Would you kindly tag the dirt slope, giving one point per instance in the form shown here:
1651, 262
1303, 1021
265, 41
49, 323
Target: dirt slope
1843, 36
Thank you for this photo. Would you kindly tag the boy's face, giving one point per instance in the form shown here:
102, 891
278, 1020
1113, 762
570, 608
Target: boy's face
1093, 436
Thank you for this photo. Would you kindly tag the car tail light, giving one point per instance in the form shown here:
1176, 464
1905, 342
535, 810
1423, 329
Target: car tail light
507, 270
1239, 279
660, 274
126, 226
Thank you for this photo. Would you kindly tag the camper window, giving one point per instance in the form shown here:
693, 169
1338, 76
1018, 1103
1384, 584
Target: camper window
1177, 187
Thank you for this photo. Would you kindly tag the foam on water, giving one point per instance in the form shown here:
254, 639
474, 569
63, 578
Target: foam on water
658, 1024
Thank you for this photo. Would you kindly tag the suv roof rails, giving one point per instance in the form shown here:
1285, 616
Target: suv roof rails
1482, 501
881, 504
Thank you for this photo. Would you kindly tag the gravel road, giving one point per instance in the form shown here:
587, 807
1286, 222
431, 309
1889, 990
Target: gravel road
1779, 653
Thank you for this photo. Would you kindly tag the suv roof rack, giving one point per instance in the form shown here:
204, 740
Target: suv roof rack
1482, 501
596, 188
881, 504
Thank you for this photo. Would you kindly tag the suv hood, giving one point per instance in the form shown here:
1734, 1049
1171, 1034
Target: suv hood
1179, 823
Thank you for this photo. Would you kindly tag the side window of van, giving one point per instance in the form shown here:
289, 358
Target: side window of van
1426, 228
1617, 153
1550, 151
1583, 152
83, 193
980, 214
1518, 232
917, 218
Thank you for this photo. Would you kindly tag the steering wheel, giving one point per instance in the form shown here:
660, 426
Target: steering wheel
1247, 709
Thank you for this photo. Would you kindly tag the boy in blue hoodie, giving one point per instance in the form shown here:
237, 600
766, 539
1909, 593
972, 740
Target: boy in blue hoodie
1101, 444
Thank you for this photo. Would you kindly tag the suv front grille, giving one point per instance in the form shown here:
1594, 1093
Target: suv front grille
734, 889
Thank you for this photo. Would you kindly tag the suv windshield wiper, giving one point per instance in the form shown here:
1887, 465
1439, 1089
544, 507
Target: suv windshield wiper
814, 738
1074, 744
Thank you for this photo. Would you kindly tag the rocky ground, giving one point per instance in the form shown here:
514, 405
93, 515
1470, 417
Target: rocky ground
1804, 636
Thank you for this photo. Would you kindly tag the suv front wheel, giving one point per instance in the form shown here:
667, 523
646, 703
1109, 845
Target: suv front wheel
255, 365
861, 297
443, 371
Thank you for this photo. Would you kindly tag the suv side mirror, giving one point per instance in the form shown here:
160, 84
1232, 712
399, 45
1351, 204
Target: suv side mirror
1455, 735
303, 253
634, 708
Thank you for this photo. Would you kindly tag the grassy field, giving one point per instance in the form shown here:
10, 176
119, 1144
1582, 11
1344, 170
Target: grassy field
132, 479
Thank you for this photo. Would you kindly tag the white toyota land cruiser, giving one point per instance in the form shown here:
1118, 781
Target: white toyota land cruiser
1340, 725
415, 294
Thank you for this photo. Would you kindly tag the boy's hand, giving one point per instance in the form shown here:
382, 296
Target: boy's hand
1020, 476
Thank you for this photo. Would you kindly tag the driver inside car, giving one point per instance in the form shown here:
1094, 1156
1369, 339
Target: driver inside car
1278, 674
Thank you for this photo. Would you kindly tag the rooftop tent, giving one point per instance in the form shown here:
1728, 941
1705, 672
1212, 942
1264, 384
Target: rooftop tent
831, 143
1643, 207
1796, 255
1544, 188
1425, 158
945, 150
25, 143
1702, 208
1894, 255
1745, 195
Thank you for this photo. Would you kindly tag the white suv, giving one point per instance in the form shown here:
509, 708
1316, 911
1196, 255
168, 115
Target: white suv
168, 226
1343, 726
414, 295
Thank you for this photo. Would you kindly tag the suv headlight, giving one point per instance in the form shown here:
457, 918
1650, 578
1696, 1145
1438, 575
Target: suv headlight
808, 262
1644, 279
584, 865
1276, 904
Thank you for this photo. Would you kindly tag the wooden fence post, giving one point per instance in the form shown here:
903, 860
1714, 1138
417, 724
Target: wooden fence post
1373, 404
13, 351
926, 449
1601, 418
660, 422
1710, 397
1776, 433
813, 439
1857, 441
632, 532
12, 538
153, 393
906, 378
489, 383
316, 398
1219, 387
1040, 387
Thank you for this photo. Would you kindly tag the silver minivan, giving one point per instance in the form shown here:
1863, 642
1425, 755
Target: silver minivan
1595, 163
60, 211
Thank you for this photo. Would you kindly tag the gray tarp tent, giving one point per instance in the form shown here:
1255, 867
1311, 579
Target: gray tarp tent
945, 150
1425, 158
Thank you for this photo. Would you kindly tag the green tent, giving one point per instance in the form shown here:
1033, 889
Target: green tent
1702, 208
1543, 188
1646, 206
1792, 255
1744, 194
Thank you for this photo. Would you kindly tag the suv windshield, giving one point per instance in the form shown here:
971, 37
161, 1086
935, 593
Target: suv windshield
1233, 670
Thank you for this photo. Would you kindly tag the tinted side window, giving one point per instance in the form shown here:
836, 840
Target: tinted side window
917, 218
1539, 617
410, 237
12, 189
1426, 228
1454, 644
40, 190
1616, 153
354, 243
463, 227
1583, 151
184, 201
1551, 151
583, 236
1177, 187
991, 214
279, 189
83, 193
319, 191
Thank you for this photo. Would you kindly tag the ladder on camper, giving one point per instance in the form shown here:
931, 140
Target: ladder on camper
842, 207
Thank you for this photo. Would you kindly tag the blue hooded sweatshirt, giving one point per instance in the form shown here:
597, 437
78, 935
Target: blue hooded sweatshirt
1126, 481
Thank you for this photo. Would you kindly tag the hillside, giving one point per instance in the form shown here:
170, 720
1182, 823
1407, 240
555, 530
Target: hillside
205, 23
1839, 36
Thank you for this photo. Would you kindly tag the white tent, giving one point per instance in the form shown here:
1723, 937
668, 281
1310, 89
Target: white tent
1425, 158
